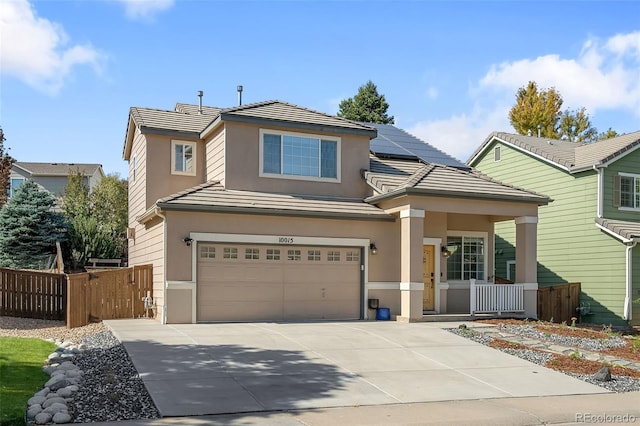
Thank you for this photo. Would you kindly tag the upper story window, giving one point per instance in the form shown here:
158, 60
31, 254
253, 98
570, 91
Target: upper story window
14, 184
627, 191
496, 153
134, 169
299, 156
183, 158
467, 258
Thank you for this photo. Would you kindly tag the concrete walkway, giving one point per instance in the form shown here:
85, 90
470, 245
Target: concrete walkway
268, 368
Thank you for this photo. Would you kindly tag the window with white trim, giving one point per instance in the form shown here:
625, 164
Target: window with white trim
133, 169
467, 258
14, 184
299, 155
627, 191
496, 153
183, 158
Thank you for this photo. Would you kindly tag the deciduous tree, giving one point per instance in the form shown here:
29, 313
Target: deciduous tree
367, 105
575, 126
536, 109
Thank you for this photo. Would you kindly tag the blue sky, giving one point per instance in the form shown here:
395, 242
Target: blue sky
70, 70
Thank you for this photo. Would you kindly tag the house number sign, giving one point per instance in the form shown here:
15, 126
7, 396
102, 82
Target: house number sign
285, 240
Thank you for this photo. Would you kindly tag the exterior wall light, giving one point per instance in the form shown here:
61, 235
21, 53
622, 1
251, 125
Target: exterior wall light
445, 252
187, 241
373, 248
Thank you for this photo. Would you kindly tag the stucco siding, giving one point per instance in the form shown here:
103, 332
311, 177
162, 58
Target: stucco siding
570, 247
242, 168
215, 157
627, 164
159, 179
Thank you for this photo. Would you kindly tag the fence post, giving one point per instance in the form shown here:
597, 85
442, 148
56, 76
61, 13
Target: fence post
472, 296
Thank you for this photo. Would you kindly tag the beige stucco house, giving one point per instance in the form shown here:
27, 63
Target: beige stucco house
271, 211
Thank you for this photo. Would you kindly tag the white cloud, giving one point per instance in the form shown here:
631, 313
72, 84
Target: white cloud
42, 58
461, 134
145, 9
604, 76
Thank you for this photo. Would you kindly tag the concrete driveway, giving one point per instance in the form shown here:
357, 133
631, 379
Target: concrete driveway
199, 369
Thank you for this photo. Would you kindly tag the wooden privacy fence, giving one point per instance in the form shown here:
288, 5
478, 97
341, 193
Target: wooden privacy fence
32, 294
559, 303
77, 298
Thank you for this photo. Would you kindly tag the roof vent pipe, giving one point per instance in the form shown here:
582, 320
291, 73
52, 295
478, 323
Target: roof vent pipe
200, 102
239, 94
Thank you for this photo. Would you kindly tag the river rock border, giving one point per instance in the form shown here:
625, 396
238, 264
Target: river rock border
50, 404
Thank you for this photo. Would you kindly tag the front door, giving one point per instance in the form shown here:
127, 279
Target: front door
428, 277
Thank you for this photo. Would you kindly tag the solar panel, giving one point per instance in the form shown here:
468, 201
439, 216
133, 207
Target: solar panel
394, 142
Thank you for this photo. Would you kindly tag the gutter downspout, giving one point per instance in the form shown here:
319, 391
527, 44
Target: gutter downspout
599, 201
158, 211
629, 281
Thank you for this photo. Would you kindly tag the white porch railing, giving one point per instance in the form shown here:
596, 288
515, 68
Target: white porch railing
496, 298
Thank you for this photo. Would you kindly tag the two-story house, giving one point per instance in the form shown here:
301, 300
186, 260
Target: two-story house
53, 177
271, 211
589, 234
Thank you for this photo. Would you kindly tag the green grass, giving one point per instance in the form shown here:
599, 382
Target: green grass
21, 375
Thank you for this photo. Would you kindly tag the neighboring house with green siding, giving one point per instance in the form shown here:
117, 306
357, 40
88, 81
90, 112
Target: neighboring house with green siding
589, 233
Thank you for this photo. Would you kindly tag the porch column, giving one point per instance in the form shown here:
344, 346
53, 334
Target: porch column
411, 281
527, 261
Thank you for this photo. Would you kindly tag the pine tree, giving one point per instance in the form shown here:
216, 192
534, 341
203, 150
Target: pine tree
367, 105
29, 228
5, 168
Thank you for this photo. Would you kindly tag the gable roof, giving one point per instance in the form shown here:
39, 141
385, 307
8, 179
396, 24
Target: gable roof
570, 156
186, 121
213, 197
393, 177
57, 169
393, 142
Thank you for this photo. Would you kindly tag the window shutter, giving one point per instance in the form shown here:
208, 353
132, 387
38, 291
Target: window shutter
616, 190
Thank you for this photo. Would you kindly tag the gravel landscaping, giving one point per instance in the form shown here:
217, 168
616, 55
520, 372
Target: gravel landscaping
618, 383
111, 389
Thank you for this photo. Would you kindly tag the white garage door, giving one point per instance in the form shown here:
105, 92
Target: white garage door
239, 282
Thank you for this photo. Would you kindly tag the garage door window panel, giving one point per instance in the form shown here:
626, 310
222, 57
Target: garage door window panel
230, 253
208, 252
294, 255
252, 254
313, 255
333, 256
273, 254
